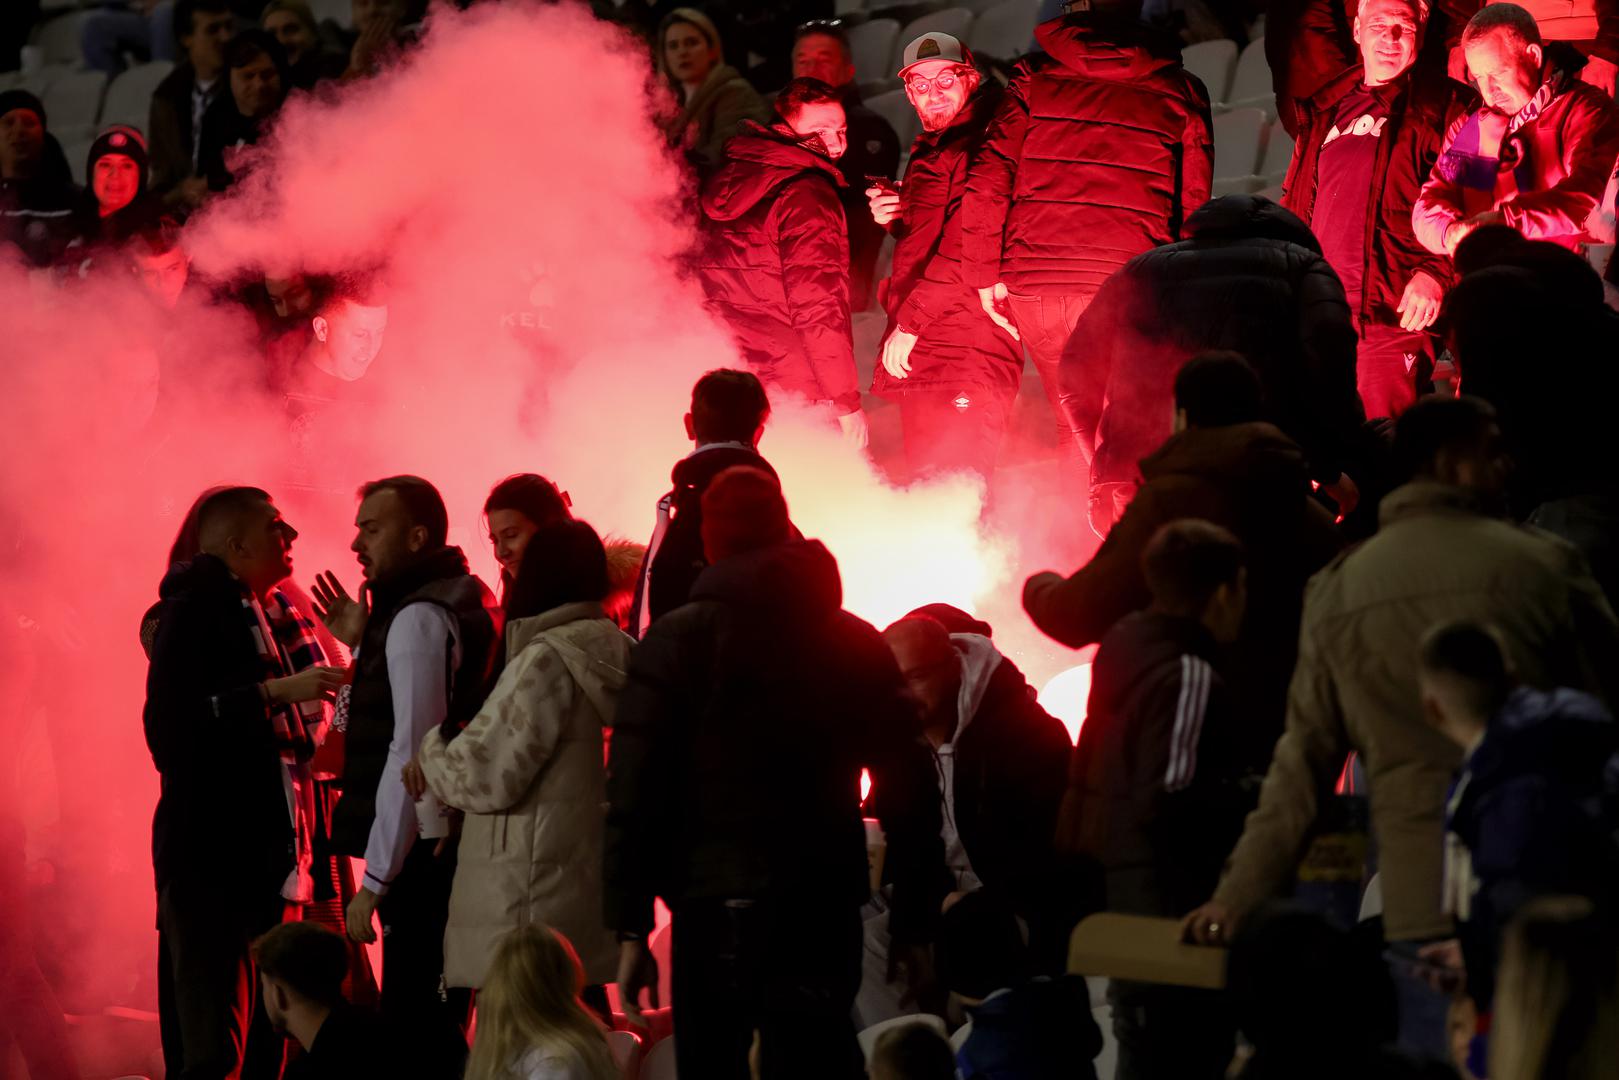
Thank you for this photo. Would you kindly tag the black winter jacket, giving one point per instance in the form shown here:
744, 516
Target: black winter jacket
1100, 151
775, 264
958, 347
734, 770
1406, 153
222, 813
1156, 793
1249, 277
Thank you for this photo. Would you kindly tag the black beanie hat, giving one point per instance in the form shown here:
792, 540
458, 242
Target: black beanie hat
119, 139
22, 99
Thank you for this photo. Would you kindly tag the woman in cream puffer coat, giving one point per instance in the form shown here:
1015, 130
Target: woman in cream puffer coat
528, 770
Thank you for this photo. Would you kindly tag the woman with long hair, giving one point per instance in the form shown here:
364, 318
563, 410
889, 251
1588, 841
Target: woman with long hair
1557, 994
531, 1023
713, 97
528, 770
517, 508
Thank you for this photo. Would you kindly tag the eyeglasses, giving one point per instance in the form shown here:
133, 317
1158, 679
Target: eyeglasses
946, 81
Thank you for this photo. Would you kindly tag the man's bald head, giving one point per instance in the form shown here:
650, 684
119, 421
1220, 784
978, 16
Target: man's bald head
242, 528
927, 658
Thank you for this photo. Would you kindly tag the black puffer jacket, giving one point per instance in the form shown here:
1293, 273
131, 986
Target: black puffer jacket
958, 347
1406, 154
1250, 277
775, 264
222, 814
737, 748
1101, 150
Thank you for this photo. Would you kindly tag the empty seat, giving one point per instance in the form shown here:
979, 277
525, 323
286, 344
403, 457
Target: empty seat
74, 101
869, 1037
896, 108
41, 80
1213, 62
58, 37
955, 21
1278, 154
871, 44
129, 97
77, 152
1237, 136
1252, 85
660, 1061
1004, 31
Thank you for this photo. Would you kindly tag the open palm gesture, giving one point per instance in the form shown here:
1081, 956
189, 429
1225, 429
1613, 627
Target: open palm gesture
343, 615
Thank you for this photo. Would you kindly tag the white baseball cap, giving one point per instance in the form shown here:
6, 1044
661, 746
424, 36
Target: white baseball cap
934, 47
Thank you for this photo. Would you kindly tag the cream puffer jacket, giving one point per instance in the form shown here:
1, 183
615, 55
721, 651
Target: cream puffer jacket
528, 770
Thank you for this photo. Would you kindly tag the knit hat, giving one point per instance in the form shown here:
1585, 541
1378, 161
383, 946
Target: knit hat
22, 99
119, 139
934, 47
743, 510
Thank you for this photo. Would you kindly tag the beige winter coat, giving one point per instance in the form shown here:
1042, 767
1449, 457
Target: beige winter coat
1438, 557
528, 772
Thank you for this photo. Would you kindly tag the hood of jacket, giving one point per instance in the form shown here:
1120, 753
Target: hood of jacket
797, 580
697, 468
1256, 456
1565, 734
1115, 52
590, 644
1247, 217
758, 162
203, 572
979, 662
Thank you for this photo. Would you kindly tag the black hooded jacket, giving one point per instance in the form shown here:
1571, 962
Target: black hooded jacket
775, 264
221, 814
38, 214
737, 748
1249, 277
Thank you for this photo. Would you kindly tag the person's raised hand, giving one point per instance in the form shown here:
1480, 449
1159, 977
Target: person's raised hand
991, 297
896, 356
1345, 492
343, 615
311, 684
855, 431
1211, 924
884, 204
637, 971
1419, 307
1441, 966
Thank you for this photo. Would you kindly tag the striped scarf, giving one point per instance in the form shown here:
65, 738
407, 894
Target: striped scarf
1488, 169
287, 644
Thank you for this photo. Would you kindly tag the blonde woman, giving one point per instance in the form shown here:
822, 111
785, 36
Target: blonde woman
531, 1024
1557, 994
714, 98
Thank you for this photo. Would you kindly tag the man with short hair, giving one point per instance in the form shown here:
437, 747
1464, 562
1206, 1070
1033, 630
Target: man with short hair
423, 633
301, 970
1226, 465
228, 717
821, 51
954, 372
1159, 783
259, 79
1367, 142
775, 261
1101, 149
733, 789
174, 128
1441, 554
1536, 155
727, 419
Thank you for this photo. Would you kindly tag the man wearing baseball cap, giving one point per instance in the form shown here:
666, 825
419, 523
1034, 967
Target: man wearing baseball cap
1101, 149
952, 370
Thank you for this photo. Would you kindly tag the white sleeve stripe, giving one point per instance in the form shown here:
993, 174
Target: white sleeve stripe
1189, 711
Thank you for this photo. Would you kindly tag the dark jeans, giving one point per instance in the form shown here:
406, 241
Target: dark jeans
952, 432
1045, 323
1170, 1032
1390, 365
207, 990
789, 971
413, 914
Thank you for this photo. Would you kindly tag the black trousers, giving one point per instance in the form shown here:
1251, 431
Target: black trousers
212, 1022
949, 431
788, 971
413, 914
1170, 1032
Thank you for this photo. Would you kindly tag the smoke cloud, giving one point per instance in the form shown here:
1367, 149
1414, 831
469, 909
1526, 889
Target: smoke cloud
507, 183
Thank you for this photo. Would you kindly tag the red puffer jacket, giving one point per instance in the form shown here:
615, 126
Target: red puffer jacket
775, 265
958, 347
1100, 151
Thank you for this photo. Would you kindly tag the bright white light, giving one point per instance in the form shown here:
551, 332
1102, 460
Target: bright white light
1066, 697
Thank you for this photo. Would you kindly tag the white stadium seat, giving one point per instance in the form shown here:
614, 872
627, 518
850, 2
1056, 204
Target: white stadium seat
896, 108
129, 98
1252, 86
872, 43
74, 101
1237, 138
58, 37
1005, 30
1213, 62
